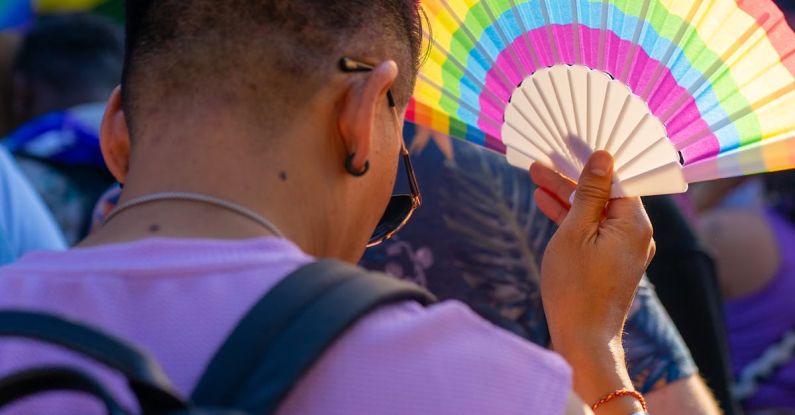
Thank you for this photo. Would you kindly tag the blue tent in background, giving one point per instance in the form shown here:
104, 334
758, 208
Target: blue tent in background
14, 13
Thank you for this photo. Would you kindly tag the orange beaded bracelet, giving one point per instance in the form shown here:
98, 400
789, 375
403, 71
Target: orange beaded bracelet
618, 394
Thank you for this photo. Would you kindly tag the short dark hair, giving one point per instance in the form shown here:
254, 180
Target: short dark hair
274, 50
73, 53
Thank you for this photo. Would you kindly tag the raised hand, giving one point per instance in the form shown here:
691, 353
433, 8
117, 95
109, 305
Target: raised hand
591, 270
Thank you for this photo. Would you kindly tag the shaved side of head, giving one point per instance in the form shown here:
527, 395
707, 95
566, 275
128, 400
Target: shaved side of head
266, 55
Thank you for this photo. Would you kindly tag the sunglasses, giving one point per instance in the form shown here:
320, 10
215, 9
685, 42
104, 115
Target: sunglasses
402, 206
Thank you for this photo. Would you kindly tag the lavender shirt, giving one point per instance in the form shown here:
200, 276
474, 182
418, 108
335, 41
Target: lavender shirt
759, 320
179, 299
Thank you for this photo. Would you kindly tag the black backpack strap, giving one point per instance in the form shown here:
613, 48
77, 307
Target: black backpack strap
30, 382
146, 379
289, 329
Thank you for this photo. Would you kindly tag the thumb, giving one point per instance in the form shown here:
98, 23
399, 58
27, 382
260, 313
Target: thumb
593, 189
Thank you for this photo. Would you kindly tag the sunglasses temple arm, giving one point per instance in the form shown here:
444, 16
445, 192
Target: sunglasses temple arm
413, 184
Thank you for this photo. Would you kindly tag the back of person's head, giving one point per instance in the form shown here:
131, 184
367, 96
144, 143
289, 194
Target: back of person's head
265, 57
250, 100
66, 60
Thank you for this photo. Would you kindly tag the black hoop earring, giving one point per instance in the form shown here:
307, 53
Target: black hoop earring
351, 171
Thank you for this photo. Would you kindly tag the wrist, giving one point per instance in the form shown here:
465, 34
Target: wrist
621, 406
599, 369
578, 334
620, 401
589, 347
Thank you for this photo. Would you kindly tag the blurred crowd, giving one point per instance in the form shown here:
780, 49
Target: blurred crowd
716, 302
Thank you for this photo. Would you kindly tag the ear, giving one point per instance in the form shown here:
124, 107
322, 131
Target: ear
114, 137
366, 96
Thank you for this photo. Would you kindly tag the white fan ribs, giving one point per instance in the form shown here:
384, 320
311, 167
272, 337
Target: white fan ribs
547, 122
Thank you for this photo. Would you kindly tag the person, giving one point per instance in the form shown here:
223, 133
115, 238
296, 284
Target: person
25, 222
65, 69
750, 238
480, 240
252, 137
686, 282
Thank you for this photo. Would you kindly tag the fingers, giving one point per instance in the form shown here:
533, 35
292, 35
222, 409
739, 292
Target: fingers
553, 193
550, 206
552, 181
630, 212
593, 189
626, 207
629, 215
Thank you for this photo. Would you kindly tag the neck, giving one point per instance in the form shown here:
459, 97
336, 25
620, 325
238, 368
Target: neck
196, 198
288, 193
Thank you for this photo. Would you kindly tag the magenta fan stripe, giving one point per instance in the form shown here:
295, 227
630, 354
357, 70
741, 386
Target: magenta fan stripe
605, 51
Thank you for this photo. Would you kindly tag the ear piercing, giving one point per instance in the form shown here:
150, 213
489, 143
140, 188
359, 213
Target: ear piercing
350, 169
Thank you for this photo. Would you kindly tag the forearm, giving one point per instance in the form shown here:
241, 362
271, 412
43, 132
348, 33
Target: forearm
599, 369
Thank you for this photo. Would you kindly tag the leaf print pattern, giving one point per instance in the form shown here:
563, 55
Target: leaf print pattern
500, 238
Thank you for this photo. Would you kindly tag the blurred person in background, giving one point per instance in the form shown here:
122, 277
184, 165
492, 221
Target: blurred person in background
65, 69
25, 222
749, 225
751, 231
26, 225
685, 280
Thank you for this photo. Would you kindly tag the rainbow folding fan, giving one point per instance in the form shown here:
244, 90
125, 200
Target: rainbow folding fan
679, 91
